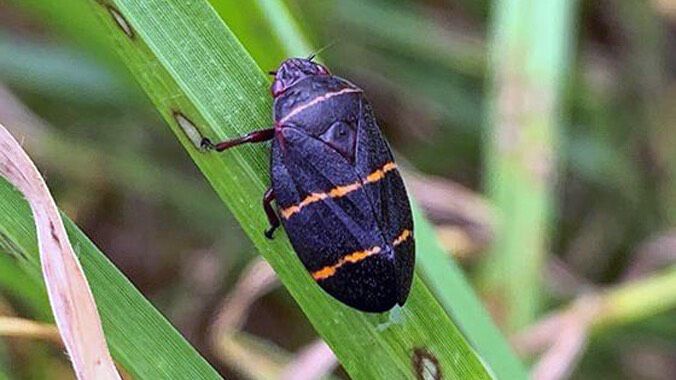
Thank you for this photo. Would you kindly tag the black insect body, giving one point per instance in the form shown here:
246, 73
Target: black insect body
340, 196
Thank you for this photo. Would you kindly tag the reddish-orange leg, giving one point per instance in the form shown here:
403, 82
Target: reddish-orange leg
253, 137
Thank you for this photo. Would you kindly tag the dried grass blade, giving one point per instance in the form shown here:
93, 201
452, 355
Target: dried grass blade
70, 297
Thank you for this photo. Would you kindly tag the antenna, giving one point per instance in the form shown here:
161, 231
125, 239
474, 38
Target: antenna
317, 52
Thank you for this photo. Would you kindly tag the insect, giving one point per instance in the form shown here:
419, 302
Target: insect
338, 191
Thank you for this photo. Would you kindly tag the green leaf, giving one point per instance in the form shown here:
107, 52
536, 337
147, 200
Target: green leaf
13, 282
266, 28
529, 61
140, 339
446, 280
204, 83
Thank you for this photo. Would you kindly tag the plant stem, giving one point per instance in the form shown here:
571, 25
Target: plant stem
528, 59
637, 300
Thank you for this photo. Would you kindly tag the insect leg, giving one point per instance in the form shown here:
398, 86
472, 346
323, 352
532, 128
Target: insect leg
252, 137
270, 212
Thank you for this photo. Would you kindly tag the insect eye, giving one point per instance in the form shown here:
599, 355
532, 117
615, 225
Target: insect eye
341, 137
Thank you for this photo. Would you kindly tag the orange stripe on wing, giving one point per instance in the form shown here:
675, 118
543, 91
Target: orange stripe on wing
405, 234
352, 258
356, 257
312, 198
338, 191
380, 173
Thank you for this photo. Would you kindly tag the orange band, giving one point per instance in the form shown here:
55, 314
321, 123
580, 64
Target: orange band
338, 191
405, 234
356, 257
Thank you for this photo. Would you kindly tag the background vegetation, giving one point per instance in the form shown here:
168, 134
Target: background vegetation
567, 234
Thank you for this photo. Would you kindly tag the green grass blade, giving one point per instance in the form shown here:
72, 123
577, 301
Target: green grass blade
285, 28
443, 277
139, 337
191, 65
446, 280
27, 291
529, 55
266, 28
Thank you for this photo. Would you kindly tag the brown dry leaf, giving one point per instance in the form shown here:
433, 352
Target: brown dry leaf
69, 294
